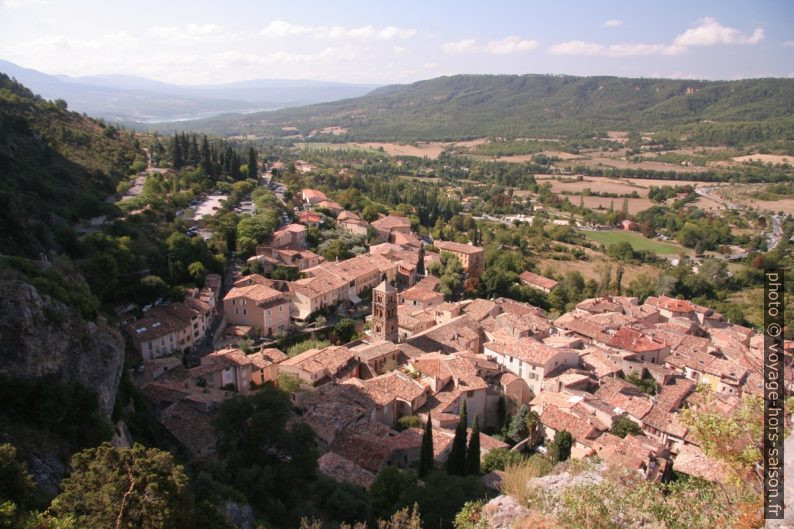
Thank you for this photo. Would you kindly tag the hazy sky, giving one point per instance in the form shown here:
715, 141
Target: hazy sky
381, 41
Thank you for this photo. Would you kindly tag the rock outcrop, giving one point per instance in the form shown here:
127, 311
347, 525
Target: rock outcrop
41, 336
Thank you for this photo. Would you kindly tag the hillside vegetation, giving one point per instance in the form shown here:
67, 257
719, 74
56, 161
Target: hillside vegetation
57, 167
472, 106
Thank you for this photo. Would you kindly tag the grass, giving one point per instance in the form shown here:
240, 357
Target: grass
516, 477
637, 241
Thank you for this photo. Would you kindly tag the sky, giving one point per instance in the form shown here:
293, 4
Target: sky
383, 41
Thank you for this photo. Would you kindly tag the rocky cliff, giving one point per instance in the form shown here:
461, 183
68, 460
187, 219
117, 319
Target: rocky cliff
42, 336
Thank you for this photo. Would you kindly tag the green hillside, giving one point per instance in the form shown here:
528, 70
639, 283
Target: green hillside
56, 167
471, 106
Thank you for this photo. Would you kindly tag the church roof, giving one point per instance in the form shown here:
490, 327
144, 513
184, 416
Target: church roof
385, 287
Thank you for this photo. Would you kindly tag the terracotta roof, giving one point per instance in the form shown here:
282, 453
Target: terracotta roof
313, 195
329, 204
630, 452
596, 305
693, 461
456, 247
672, 304
666, 422
347, 215
391, 222
479, 308
525, 349
634, 341
309, 217
190, 426
256, 292
331, 359
384, 389
343, 470
578, 325
581, 429
536, 279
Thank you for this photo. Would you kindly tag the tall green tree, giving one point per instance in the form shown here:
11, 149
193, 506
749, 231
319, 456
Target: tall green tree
533, 428
126, 487
473, 452
519, 430
252, 168
560, 449
426, 455
177, 159
501, 412
456, 462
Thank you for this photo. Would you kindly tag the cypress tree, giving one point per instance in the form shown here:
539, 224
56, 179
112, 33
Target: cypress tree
426, 455
420, 265
193, 152
206, 156
456, 462
252, 169
176, 155
473, 453
501, 412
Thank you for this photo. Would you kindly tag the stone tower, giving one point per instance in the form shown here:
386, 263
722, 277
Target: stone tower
384, 312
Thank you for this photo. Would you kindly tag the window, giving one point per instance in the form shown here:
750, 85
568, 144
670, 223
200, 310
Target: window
245, 312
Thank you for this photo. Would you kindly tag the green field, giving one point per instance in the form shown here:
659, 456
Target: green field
637, 241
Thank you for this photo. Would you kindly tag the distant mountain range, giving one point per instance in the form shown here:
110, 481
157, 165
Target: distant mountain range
131, 99
474, 106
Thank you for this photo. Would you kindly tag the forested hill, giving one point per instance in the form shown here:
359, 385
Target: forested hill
56, 167
471, 106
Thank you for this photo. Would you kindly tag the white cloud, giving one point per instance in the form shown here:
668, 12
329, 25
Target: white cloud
59, 43
399, 50
789, 44
193, 33
509, 45
460, 46
709, 32
578, 47
204, 29
282, 29
612, 23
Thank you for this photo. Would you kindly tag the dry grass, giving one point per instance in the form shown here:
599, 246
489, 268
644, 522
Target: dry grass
592, 269
535, 520
635, 204
766, 158
516, 480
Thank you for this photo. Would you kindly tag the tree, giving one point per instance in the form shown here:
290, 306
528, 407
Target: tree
623, 426
473, 452
420, 262
456, 461
252, 168
177, 160
533, 428
260, 453
125, 487
500, 458
501, 412
518, 430
560, 448
345, 330
389, 485
197, 272
619, 278
426, 456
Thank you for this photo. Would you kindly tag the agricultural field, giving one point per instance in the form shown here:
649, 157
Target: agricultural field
592, 269
637, 241
603, 203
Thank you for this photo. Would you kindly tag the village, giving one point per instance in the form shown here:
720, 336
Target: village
419, 356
